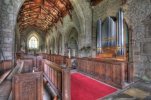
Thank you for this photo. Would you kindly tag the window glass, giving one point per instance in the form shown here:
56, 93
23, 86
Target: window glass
33, 43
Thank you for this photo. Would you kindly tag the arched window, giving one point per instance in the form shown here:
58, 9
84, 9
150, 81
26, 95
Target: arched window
33, 43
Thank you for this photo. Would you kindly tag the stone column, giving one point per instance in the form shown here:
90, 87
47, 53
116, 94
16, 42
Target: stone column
9, 10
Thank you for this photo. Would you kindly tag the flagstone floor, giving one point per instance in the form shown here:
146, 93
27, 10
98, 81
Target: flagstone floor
138, 91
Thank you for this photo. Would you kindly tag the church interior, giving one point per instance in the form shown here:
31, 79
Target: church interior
75, 50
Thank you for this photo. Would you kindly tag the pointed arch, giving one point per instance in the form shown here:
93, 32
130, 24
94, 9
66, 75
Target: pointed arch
52, 45
72, 41
33, 40
59, 43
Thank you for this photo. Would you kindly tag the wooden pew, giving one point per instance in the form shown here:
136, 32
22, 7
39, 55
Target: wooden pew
58, 59
7, 81
28, 65
6, 68
58, 78
3, 77
6, 65
28, 86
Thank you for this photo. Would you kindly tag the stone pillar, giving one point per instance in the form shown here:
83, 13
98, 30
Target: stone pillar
9, 9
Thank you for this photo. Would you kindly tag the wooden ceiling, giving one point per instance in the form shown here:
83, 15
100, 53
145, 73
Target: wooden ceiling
43, 14
95, 2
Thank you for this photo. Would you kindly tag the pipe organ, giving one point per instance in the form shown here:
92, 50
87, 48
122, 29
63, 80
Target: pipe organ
120, 34
99, 42
112, 37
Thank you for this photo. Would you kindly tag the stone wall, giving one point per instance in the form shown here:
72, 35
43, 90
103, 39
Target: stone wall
8, 10
17, 39
137, 14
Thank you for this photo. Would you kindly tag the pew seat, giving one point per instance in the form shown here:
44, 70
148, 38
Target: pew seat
3, 76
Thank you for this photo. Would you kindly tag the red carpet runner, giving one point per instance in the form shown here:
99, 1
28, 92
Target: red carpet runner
85, 88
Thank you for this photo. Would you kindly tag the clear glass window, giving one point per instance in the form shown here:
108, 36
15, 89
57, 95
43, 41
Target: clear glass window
33, 43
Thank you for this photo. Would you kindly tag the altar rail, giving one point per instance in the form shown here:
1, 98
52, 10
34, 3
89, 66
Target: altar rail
58, 78
115, 73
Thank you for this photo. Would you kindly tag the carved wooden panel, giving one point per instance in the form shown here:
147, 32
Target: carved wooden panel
27, 86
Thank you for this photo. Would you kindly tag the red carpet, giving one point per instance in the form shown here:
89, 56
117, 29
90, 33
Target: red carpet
85, 88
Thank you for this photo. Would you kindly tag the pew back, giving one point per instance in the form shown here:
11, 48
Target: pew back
5, 65
58, 78
109, 71
28, 86
28, 65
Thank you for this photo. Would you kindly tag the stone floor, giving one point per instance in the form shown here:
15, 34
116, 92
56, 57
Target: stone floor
6, 85
46, 95
138, 91
5, 89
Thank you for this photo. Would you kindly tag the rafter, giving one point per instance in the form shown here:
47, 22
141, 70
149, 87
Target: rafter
29, 9
43, 14
49, 13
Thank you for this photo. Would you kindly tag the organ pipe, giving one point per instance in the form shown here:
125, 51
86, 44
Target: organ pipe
104, 35
112, 32
99, 33
111, 36
109, 31
120, 34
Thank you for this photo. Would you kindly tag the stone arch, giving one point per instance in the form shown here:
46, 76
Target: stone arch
130, 48
68, 31
36, 35
23, 45
59, 38
47, 43
72, 41
52, 45
29, 31
36, 42
80, 14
